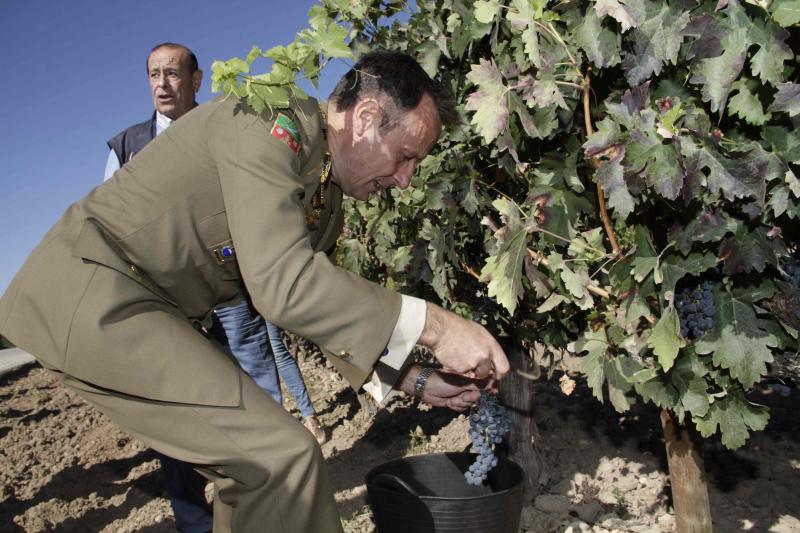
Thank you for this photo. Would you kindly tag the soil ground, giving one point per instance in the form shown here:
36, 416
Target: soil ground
65, 467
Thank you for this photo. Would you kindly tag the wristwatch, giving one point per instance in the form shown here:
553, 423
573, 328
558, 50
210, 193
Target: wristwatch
422, 380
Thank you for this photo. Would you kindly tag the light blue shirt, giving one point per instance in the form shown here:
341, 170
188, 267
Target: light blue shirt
112, 163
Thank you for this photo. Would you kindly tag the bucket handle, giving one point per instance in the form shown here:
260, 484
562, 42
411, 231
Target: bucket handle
392, 482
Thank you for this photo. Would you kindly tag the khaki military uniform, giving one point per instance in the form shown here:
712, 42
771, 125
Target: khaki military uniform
114, 297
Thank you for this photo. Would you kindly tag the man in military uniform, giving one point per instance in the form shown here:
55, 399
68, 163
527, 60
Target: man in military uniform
114, 297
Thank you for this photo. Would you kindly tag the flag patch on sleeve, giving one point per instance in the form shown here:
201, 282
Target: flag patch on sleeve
284, 129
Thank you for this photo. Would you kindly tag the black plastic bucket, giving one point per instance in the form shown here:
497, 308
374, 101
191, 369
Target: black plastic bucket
429, 494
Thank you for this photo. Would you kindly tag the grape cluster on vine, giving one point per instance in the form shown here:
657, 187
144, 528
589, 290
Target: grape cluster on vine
488, 422
695, 306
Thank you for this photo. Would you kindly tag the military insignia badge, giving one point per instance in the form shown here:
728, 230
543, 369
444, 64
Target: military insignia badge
224, 254
286, 130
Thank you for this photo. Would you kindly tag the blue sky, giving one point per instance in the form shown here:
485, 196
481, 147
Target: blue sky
74, 76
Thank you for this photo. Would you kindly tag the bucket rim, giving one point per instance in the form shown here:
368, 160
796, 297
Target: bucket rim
511, 463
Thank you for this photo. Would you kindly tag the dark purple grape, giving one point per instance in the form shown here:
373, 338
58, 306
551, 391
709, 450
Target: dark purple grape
695, 306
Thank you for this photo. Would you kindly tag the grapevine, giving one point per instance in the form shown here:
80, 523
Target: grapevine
610, 154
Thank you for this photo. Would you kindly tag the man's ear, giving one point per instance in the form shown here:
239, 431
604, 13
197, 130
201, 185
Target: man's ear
366, 114
197, 79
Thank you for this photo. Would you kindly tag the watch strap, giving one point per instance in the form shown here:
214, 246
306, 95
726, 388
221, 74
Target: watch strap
422, 380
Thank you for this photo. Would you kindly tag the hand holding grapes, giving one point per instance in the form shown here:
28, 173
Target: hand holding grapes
445, 389
463, 346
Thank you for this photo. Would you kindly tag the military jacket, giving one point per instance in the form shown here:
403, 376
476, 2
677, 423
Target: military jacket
215, 204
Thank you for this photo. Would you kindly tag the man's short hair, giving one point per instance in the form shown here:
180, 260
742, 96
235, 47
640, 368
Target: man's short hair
193, 66
400, 77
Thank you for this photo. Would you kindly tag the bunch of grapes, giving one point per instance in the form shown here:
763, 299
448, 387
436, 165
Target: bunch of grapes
488, 422
695, 305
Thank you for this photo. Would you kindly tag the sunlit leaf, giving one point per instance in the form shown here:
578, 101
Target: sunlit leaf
489, 101
665, 339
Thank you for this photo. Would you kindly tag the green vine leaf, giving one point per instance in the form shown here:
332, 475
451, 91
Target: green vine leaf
318, 17
665, 339
552, 301
542, 92
737, 174
522, 16
785, 12
627, 12
735, 418
601, 45
708, 226
575, 281
675, 267
489, 101
683, 389
747, 105
504, 271
717, 74
738, 343
610, 176
603, 369
773, 51
486, 10
592, 364
604, 140
748, 250
643, 266
787, 99
783, 143
688, 378
329, 40
655, 41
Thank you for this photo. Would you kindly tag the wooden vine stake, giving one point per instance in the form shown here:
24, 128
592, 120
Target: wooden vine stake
517, 395
687, 476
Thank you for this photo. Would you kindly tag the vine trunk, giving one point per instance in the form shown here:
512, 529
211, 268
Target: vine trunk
518, 396
687, 476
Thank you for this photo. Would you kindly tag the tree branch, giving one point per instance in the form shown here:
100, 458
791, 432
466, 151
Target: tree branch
542, 260
601, 197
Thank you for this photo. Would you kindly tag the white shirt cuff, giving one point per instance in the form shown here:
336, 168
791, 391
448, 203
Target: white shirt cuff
406, 333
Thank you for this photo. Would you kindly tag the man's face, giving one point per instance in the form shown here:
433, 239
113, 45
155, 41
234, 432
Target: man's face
371, 159
172, 84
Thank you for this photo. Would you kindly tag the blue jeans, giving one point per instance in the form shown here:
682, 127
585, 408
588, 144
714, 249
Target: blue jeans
187, 495
289, 371
259, 348
245, 333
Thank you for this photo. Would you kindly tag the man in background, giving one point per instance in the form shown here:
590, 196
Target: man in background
174, 81
175, 78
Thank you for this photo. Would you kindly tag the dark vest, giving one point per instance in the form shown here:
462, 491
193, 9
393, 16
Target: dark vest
129, 142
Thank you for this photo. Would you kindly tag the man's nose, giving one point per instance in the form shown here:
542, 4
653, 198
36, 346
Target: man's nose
161, 80
403, 175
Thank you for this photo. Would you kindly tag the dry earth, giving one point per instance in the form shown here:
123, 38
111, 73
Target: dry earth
65, 467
